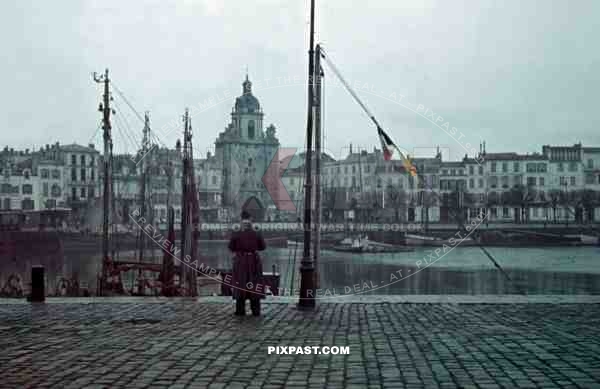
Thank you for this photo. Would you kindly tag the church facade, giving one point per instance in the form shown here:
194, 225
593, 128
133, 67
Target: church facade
244, 151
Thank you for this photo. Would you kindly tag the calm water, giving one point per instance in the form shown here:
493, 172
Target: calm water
569, 270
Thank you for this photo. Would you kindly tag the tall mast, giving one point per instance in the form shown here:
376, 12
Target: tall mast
307, 289
106, 127
318, 74
145, 147
189, 208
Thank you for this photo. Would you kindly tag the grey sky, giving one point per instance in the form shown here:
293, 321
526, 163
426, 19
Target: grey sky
516, 73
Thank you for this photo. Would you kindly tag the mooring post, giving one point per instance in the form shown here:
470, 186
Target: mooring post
38, 288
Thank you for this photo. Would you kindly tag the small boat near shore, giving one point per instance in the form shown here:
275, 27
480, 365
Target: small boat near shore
364, 245
425, 240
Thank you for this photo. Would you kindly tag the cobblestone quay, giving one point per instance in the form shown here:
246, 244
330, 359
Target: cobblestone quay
156, 343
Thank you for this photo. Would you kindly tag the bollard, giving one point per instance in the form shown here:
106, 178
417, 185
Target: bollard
38, 289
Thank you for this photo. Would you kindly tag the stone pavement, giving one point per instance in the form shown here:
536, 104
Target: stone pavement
181, 343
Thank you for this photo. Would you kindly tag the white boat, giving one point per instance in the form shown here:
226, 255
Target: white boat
362, 244
424, 240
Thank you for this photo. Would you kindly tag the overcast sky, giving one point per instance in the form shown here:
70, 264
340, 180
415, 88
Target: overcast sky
517, 74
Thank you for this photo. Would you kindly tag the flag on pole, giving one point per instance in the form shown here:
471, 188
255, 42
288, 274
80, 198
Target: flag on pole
391, 151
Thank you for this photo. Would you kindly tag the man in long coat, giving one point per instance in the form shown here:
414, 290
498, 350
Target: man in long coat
247, 280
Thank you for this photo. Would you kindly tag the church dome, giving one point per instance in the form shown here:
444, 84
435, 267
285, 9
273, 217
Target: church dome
247, 102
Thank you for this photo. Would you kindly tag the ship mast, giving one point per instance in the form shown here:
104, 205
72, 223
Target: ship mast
318, 78
143, 183
106, 127
307, 270
189, 209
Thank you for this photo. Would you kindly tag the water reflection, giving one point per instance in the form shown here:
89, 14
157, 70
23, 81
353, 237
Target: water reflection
569, 270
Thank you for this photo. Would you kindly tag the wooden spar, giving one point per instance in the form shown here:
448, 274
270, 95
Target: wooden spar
307, 289
189, 219
317, 77
106, 127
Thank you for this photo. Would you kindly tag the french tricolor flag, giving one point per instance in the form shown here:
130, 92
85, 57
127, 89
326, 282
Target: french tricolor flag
391, 151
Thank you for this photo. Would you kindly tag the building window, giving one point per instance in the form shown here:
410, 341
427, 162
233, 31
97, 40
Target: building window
83, 193
91, 193
445, 172
251, 129
542, 168
573, 181
44, 173
561, 167
92, 175
572, 166
50, 203
56, 173
481, 182
73, 174
83, 174
590, 163
504, 212
74, 193
563, 180
589, 179
73, 159
56, 192
345, 169
471, 170
7, 203
345, 181
516, 180
27, 189
531, 168
530, 181
27, 204
292, 181
45, 189
480, 170
505, 181
516, 167
471, 183
92, 160
82, 158
353, 169
504, 167
541, 181
493, 167
214, 180
494, 182
494, 212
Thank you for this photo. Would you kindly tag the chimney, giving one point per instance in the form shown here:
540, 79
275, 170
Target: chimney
208, 155
47, 147
91, 146
26, 151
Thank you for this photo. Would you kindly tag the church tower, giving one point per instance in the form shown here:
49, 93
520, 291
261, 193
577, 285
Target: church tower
244, 151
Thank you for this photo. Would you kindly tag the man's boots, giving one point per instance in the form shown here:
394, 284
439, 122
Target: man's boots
240, 307
255, 306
